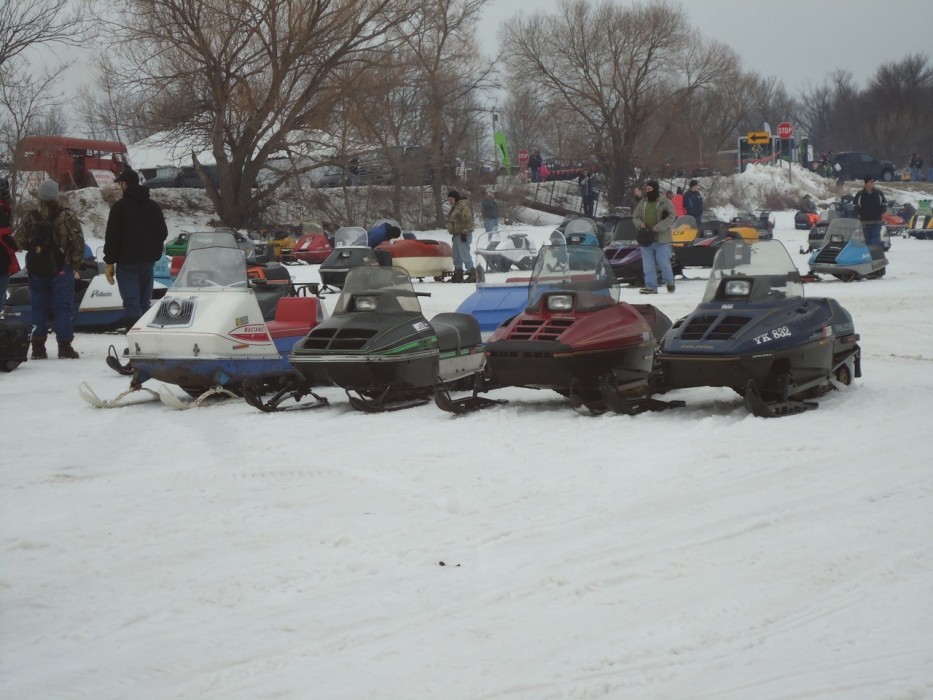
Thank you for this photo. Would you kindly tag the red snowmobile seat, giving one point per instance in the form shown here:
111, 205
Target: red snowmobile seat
294, 316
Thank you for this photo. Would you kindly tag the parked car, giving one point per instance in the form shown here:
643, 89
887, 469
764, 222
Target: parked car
185, 176
855, 165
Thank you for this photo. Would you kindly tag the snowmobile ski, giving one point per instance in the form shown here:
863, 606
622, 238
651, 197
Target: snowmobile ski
172, 400
134, 395
467, 404
253, 392
631, 407
757, 405
384, 402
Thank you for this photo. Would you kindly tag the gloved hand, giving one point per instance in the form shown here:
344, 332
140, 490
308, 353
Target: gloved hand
108, 272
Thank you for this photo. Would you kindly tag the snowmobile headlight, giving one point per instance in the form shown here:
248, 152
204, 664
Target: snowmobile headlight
738, 288
173, 308
365, 303
560, 302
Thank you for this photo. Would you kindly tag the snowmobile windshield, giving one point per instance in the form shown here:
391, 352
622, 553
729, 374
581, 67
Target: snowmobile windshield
495, 244
685, 222
211, 239
351, 237
212, 268
844, 231
582, 225
378, 289
766, 259
624, 231
580, 270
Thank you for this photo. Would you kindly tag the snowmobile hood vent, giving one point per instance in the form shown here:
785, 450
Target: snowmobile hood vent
540, 328
829, 253
713, 327
338, 339
174, 312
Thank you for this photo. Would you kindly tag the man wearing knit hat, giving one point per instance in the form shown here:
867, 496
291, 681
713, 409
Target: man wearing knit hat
54, 243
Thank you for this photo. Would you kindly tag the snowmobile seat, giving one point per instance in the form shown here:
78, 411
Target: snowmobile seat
456, 331
294, 316
268, 297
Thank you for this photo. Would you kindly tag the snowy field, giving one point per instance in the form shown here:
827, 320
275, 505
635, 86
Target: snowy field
524, 552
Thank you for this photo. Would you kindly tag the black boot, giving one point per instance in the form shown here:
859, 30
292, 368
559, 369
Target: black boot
457, 276
66, 352
471, 276
38, 349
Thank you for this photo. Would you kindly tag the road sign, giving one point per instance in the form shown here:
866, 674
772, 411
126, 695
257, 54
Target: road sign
759, 137
785, 130
523, 157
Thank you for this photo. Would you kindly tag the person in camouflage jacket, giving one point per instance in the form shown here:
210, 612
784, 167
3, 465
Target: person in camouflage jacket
460, 226
55, 293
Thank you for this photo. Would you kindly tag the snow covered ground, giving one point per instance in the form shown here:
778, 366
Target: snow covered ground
523, 552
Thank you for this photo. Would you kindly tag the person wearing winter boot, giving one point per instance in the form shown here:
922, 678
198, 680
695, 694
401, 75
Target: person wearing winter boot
460, 226
654, 217
134, 240
54, 243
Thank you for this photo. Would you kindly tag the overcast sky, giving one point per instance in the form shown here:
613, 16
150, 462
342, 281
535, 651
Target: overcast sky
795, 40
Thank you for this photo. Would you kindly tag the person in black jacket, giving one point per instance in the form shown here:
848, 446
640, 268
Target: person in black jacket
133, 243
869, 205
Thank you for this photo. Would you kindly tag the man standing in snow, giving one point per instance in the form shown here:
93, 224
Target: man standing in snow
655, 216
135, 235
693, 202
460, 226
54, 243
490, 211
869, 205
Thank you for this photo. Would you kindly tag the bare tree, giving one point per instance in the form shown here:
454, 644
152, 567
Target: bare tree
238, 77
620, 70
25, 24
30, 104
451, 71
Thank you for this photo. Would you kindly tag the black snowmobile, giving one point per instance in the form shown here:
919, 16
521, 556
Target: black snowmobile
351, 250
385, 354
754, 332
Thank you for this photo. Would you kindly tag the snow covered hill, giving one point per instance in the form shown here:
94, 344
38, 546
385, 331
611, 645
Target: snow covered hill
522, 552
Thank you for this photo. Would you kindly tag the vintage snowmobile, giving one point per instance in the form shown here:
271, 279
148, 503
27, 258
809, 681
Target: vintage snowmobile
501, 251
701, 251
382, 351
493, 303
420, 257
845, 255
214, 331
920, 225
351, 249
574, 337
755, 332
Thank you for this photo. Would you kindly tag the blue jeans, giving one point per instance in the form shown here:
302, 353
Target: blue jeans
872, 233
652, 257
491, 224
463, 260
135, 283
55, 294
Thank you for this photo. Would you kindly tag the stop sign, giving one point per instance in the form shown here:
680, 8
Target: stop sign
785, 130
523, 157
